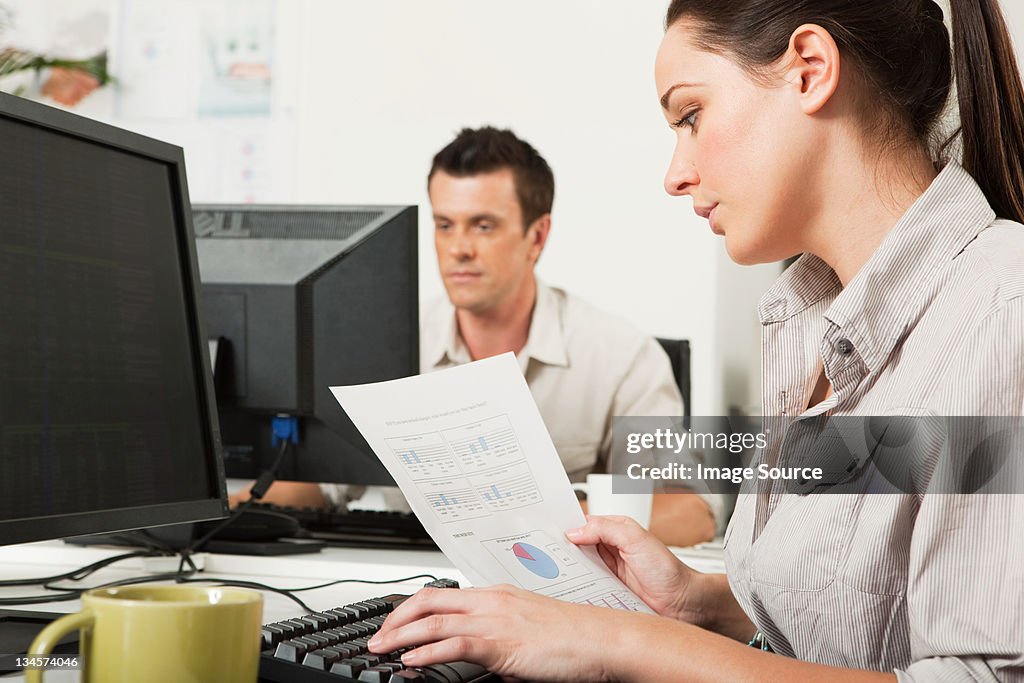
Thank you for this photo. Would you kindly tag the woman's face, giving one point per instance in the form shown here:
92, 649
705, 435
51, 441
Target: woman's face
743, 149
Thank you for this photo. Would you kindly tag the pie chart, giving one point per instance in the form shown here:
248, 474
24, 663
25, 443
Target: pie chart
536, 560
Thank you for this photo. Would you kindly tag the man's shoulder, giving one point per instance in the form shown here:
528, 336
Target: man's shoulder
593, 335
435, 330
580, 317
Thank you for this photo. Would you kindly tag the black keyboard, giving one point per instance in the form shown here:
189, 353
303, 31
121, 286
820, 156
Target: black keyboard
331, 646
359, 528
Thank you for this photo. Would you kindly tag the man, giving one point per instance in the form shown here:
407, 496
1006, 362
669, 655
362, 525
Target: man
491, 195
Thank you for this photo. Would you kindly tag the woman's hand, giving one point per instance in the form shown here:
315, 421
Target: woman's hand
645, 565
512, 632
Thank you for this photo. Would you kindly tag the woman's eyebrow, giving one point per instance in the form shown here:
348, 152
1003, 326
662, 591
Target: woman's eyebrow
681, 84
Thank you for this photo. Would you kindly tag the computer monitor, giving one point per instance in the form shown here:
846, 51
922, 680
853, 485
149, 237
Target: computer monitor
107, 417
297, 299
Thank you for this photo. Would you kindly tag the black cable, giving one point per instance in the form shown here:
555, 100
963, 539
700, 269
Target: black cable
250, 584
185, 576
368, 581
256, 492
81, 572
68, 593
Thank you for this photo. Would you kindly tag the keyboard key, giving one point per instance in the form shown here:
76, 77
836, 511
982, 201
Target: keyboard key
321, 660
319, 620
272, 635
407, 676
298, 628
380, 604
439, 673
364, 610
364, 628
349, 668
341, 615
369, 660
349, 650
376, 674
465, 670
393, 601
292, 650
332, 645
320, 639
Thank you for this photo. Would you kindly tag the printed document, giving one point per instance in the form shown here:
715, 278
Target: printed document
470, 452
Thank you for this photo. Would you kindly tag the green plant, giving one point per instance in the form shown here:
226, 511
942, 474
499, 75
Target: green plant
14, 60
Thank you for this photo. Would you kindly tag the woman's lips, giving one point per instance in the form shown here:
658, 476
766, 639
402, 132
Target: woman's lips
708, 213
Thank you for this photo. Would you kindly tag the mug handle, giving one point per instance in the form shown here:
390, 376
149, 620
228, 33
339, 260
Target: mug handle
48, 638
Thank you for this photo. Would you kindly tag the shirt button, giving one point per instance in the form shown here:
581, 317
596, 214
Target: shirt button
844, 346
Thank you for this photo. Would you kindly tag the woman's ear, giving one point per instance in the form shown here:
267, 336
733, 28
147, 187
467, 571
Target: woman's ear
812, 66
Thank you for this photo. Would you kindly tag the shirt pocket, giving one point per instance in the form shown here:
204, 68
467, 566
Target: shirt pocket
804, 542
878, 554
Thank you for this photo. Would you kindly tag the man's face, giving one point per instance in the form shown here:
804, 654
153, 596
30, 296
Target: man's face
484, 254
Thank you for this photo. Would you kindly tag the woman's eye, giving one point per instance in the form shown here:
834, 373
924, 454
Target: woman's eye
688, 120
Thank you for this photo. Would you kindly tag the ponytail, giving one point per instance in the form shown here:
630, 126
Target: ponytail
991, 103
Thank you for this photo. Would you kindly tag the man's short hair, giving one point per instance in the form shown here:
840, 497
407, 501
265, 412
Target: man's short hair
487, 149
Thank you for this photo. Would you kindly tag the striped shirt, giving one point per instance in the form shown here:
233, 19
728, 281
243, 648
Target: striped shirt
929, 586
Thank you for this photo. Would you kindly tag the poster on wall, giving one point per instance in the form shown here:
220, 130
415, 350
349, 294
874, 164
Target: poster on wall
55, 51
236, 65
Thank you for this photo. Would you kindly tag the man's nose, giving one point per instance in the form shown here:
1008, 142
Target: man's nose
460, 245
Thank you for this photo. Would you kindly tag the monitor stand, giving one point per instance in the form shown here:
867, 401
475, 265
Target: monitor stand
18, 628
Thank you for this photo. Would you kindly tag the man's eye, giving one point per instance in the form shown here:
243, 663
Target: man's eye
485, 227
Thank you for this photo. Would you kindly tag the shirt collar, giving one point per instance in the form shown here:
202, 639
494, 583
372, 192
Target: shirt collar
545, 342
880, 303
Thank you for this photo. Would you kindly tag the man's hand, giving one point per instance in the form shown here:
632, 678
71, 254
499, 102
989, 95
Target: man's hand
300, 494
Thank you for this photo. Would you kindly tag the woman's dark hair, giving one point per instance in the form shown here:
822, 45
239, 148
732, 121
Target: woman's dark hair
902, 51
487, 149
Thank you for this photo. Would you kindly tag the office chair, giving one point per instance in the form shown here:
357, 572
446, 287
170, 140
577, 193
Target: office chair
678, 351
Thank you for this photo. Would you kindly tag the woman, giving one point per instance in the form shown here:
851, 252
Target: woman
809, 127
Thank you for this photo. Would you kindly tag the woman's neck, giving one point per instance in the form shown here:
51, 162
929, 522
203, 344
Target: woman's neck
865, 196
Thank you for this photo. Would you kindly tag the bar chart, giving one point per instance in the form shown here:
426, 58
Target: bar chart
424, 456
451, 500
484, 444
507, 487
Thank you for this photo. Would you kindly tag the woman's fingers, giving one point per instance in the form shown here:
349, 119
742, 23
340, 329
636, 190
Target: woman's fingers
455, 649
427, 634
435, 613
620, 532
428, 601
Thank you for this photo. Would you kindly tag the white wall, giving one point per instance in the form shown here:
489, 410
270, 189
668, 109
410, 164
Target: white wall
388, 83
366, 92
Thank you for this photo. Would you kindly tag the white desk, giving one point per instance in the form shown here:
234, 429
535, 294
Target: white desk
53, 557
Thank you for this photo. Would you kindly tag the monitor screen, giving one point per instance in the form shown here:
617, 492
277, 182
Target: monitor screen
297, 299
105, 405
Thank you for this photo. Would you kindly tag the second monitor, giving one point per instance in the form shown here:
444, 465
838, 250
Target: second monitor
297, 299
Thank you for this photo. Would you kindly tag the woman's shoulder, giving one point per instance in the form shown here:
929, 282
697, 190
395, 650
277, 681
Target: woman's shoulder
996, 256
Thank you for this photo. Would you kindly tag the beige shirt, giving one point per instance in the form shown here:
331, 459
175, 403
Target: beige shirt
583, 366
930, 586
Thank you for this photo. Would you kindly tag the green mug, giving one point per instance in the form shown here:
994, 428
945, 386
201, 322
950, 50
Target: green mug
161, 634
